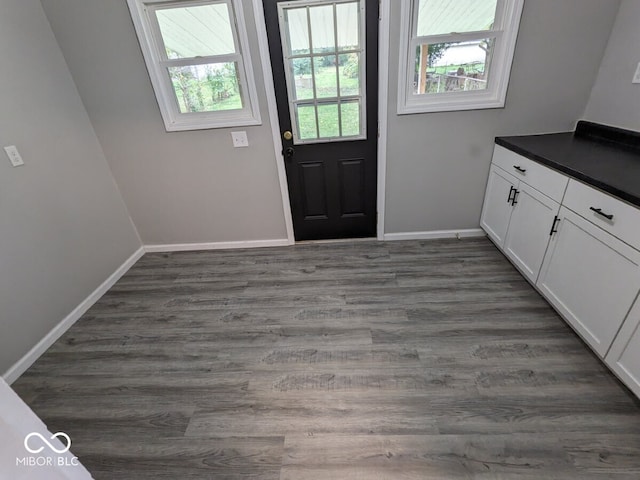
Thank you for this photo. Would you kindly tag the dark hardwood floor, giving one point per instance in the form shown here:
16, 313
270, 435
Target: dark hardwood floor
355, 360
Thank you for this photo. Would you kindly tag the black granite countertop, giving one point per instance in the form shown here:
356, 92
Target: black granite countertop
604, 157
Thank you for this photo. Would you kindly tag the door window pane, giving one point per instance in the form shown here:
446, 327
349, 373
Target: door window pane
189, 32
349, 66
452, 67
307, 122
322, 31
302, 78
206, 88
350, 119
298, 30
348, 26
328, 120
326, 76
436, 17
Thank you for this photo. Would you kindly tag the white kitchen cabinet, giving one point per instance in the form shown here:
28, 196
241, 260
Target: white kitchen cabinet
591, 278
533, 218
579, 246
521, 202
497, 209
624, 356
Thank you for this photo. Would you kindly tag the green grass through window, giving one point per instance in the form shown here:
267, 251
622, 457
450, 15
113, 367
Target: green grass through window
328, 119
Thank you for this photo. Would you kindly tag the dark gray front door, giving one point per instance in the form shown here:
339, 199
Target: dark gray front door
325, 70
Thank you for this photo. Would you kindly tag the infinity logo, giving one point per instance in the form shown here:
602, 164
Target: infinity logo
52, 447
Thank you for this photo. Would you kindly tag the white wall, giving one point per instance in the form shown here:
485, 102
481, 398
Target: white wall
438, 163
614, 99
181, 187
63, 225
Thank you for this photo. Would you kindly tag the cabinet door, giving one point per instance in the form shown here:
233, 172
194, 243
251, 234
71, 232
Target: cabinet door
497, 209
624, 356
591, 278
528, 233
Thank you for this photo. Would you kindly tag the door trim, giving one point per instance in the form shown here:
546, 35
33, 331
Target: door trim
270, 90
383, 88
383, 107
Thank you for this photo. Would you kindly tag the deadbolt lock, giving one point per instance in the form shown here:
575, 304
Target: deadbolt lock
287, 135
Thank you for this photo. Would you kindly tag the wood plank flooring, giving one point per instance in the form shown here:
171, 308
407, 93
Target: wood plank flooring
354, 360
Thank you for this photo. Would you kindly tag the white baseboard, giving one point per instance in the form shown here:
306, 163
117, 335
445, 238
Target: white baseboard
467, 233
25, 362
187, 247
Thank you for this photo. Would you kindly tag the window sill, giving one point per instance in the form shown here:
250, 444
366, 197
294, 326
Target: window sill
200, 124
433, 105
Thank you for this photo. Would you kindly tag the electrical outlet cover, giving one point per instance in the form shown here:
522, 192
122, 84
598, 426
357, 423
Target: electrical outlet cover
14, 156
240, 139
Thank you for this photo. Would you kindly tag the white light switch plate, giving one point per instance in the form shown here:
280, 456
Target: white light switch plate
636, 77
14, 155
240, 139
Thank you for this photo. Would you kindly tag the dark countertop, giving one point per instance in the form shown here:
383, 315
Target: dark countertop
604, 157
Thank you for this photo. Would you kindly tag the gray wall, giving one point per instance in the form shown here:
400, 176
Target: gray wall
194, 187
180, 187
614, 99
438, 163
63, 225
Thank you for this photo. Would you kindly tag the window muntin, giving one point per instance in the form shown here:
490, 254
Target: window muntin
457, 54
197, 55
323, 48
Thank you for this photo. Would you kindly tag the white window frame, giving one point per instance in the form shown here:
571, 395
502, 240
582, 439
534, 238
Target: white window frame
152, 45
339, 99
505, 32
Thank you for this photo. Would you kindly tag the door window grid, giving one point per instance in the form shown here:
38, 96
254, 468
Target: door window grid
317, 102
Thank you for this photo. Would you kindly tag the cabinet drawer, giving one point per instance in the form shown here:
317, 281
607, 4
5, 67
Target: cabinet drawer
543, 179
625, 223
